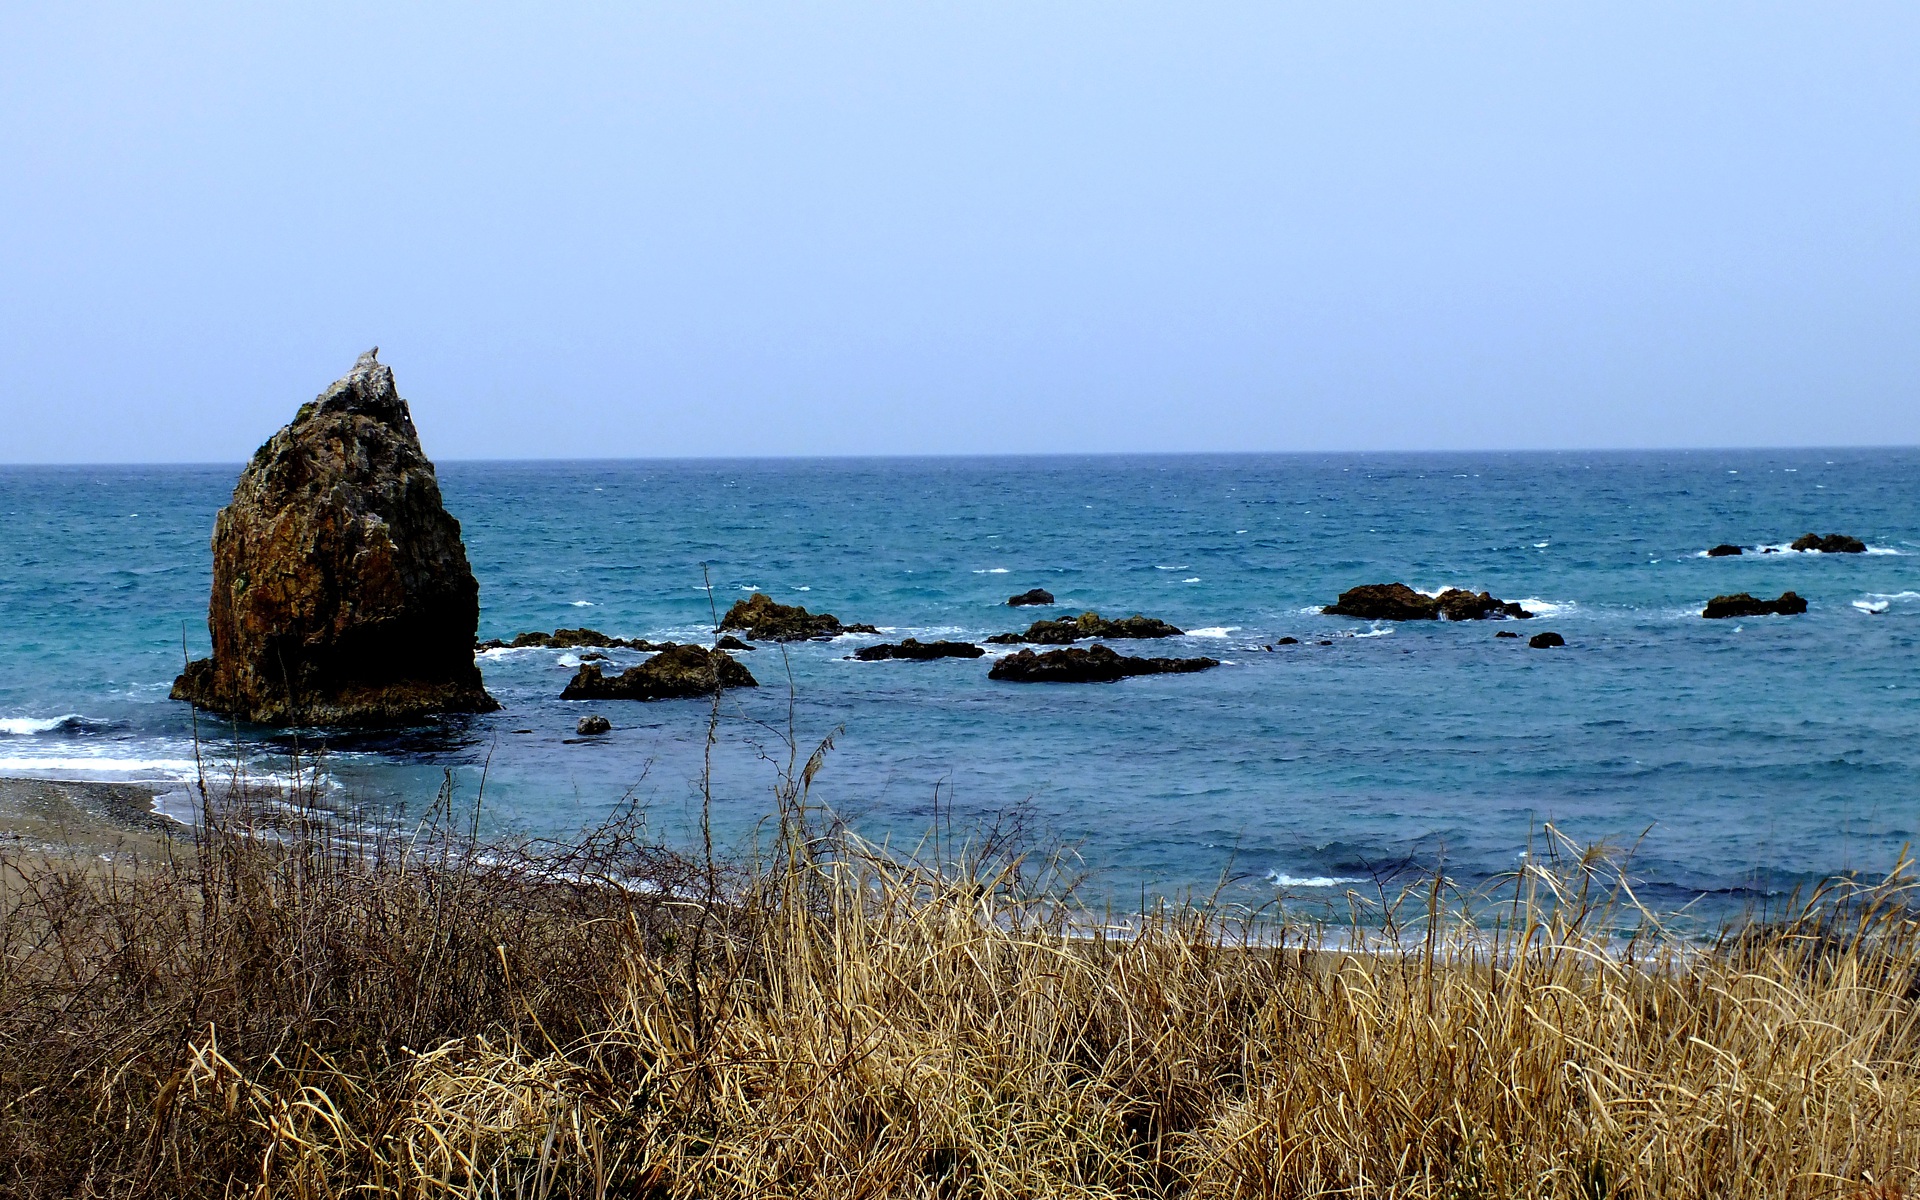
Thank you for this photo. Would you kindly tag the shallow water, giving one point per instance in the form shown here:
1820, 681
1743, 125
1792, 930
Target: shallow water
1737, 757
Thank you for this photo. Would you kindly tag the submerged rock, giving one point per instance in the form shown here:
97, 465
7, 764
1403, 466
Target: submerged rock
1546, 641
1740, 604
1833, 543
675, 673
1035, 596
1506, 633
765, 621
917, 650
1288, 641
1725, 550
1068, 630
341, 590
1398, 602
1095, 664
571, 639
593, 725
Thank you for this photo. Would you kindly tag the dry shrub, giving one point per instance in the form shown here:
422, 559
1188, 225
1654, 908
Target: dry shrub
299, 1016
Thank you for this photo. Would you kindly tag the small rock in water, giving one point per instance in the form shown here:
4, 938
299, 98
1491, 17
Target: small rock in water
1398, 602
1740, 604
730, 642
1833, 543
1725, 550
1546, 641
1506, 633
1096, 664
675, 673
1288, 641
589, 726
1036, 596
918, 651
763, 620
1087, 625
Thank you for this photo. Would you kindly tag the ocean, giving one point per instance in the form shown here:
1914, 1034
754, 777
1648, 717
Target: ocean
1731, 760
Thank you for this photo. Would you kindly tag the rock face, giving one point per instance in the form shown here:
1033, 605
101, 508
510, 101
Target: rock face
1546, 641
1398, 602
1036, 596
675, 673
1740, 604
1724, 550
570, 639
341, 590
1068, 630
1833, 543
918, 651
1095, 664
764, 621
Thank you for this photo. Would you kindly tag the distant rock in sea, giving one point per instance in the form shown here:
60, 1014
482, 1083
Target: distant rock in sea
1833, 543
1740, 604
761, 619
1506, 633
917, 650
730, 642
1398, 602
1087, 625
1546, 641
341, 590
592, 726
675, 673
1095, 664
1724, 550
570, 639
1035, 596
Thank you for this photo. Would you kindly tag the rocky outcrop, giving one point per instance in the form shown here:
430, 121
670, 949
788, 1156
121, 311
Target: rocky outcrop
765, 621
675, 673
1035, 596
1740, 604
570, 639
1095, 664
1398, 602
341, 590
1833, 543
593, 726
1068, 630
1725, 550
730, 642
917, 651
1546, 641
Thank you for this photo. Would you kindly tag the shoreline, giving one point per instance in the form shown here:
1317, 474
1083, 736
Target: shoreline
107, 819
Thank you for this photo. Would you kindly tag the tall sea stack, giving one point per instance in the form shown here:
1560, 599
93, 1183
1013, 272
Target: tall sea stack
341, 590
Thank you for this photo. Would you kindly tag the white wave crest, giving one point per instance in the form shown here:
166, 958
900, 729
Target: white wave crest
1547, 608
1871, 607
28, 726
1282, 879
1213, 631
1893, 595
176, 768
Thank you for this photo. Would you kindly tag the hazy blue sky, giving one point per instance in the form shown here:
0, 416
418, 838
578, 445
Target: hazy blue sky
715, 228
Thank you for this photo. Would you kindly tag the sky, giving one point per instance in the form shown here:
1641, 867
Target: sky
720, 228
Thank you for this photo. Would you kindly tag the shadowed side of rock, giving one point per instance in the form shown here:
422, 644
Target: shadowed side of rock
342, 594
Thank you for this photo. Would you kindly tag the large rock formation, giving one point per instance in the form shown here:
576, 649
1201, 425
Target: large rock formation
341, 590
1068, 630
1095, 664
675, 673
1740, 604
1398, 602
764, 620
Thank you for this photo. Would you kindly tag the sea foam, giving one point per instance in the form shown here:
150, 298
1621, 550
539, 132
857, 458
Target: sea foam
28, 726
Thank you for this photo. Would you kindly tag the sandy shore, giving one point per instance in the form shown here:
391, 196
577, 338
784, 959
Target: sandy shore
111, 820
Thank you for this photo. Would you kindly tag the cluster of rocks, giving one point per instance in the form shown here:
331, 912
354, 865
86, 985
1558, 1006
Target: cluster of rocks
761, 619
341, 589
571, 639
675, 673
1087, 625
1398, 602
1740, 604
1833, 543
917, 650
1095, 664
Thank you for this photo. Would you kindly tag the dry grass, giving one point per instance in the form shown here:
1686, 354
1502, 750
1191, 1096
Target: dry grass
301, 1016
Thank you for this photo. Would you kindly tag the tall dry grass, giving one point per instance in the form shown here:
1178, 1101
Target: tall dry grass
279, 1011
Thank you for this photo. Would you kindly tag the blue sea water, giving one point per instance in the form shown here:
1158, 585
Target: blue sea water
1736, 758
